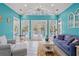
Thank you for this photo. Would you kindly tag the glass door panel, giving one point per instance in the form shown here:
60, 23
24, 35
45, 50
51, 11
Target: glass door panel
60, 27
25, 29
53, 27
16, 29
39, 29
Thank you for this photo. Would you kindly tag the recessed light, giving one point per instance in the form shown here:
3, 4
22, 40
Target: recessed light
25, 5
40, 6
52, 5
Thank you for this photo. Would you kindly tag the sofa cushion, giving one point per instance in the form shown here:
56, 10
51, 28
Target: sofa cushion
5, 50
61, 41
66, 47
63, 45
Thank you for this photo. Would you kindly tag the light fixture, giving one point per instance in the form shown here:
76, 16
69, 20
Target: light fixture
52, 5
25, 5
56, 12
40, 6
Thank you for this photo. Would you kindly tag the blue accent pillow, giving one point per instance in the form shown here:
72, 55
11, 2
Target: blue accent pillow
67, 38
60, 37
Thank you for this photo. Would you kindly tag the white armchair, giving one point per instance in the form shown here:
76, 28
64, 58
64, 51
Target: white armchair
5, 50
4, 47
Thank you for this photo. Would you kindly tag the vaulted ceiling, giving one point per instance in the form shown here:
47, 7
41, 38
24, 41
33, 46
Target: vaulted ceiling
32, 8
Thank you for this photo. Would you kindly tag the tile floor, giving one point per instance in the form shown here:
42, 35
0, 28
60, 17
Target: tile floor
32, 48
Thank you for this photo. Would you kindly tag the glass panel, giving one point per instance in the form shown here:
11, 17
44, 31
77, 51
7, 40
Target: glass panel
60, 26
16, 28
25, 29
53, 27
77, 19
39, 29
71, 20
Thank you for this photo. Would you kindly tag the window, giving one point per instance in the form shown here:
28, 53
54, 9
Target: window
16, 28
77, 19
53, 27
25, 29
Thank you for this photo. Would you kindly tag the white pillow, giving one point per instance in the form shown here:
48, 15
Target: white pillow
3, 40
17, 39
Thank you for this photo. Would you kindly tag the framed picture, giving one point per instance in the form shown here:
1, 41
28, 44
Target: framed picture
71, 20
77, 18
0, 19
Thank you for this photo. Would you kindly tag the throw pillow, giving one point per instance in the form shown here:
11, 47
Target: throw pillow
67, 37
17, 39
70, 40
60, 37
75, 41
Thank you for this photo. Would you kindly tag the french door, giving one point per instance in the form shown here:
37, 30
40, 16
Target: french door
53, 27
60, 23
39, 29
16, 29
34, 30
25, 29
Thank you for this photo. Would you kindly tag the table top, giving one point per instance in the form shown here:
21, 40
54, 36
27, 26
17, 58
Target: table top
49, 42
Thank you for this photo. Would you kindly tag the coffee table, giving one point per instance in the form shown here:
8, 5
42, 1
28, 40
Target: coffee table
46, 49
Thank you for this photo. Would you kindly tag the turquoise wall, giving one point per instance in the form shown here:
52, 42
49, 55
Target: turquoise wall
64, 17
7, 29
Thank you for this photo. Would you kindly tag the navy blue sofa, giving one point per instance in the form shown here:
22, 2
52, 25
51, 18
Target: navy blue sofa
62, 42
